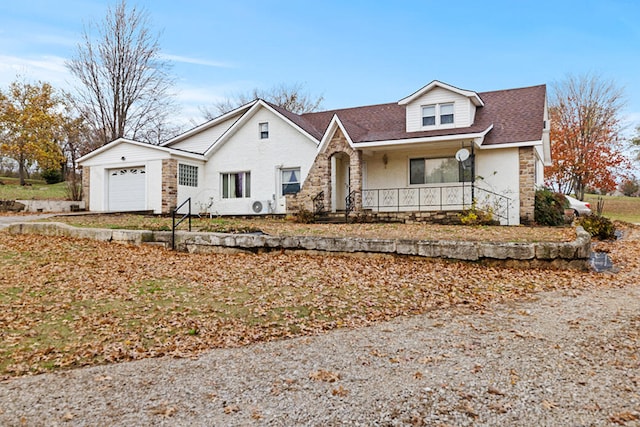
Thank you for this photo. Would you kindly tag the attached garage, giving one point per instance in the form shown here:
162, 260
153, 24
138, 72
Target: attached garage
127, 189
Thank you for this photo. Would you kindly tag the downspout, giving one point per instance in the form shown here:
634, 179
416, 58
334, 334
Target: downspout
473, 172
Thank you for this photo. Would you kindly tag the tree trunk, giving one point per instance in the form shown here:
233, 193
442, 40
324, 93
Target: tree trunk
21, 171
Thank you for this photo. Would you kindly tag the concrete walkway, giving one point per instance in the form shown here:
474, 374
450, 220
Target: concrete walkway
5, 221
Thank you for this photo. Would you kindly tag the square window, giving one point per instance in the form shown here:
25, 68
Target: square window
236, 185
290, 181
429, 115
264, 130
187, 175
446, 114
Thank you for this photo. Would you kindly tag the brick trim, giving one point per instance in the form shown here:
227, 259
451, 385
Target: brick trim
169, 185
86, 186
527, 188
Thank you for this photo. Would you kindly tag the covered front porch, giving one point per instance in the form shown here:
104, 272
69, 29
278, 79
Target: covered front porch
415, 178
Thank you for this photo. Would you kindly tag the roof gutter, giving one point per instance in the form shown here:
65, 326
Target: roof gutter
478, 137
511, 145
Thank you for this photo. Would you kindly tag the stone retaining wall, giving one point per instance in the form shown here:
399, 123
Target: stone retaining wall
52, 205
569, 255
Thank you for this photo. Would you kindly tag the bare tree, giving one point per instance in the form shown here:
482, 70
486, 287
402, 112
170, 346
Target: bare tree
292, 98
75, 139
125, 85
635, 144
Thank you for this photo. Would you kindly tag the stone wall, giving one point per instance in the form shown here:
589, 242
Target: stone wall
169, 185
52, 205
570, 255
86, 187
319, 177
410, 217
527, 184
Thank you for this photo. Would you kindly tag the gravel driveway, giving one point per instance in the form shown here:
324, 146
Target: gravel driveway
563, 359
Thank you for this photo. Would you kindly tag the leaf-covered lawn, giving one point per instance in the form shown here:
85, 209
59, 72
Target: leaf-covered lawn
67, 303
282, 227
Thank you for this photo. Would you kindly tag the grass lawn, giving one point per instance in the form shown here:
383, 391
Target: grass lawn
36, 190
67, 303
619, 208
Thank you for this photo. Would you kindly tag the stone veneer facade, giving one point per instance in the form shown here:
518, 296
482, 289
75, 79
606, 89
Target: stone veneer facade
319, 177
527, 184
169, 185
86, 189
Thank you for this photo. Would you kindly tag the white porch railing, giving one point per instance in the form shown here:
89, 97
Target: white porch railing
442, 198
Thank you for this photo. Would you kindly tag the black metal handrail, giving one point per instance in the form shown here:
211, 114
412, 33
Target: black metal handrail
441, 197
176, 224
318, 204
349, 205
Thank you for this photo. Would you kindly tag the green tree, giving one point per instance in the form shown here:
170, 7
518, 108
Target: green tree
30, 118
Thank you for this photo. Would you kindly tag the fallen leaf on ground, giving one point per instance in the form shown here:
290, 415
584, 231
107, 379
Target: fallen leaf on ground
325, 376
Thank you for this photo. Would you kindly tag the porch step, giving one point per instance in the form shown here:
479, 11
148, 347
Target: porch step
331, 218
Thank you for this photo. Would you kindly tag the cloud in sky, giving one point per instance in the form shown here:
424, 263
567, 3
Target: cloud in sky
46, 68
196, 61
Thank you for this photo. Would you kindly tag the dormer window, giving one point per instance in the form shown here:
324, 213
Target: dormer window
429, 115
438, 114
446, 114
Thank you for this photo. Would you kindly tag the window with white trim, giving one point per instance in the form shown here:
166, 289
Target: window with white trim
264, 130
290, 180
446, 114
437, 171
429, 115
438, 114
236, 185
187, 175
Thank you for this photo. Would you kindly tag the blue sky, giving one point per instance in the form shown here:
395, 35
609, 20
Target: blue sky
350, 52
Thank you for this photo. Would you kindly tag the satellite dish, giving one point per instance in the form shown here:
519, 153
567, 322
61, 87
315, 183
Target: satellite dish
462, 155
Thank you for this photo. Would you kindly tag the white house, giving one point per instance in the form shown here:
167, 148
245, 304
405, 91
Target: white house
435, 150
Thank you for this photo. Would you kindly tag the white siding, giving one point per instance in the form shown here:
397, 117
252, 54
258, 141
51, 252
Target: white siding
498, 171
198, 194
200, 142
463, 116
244, 151
132, 153
134, 156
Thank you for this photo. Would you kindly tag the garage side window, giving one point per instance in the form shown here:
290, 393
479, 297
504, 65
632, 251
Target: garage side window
236, 185
187, 175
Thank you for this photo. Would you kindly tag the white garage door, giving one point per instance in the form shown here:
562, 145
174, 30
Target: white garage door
127, 189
